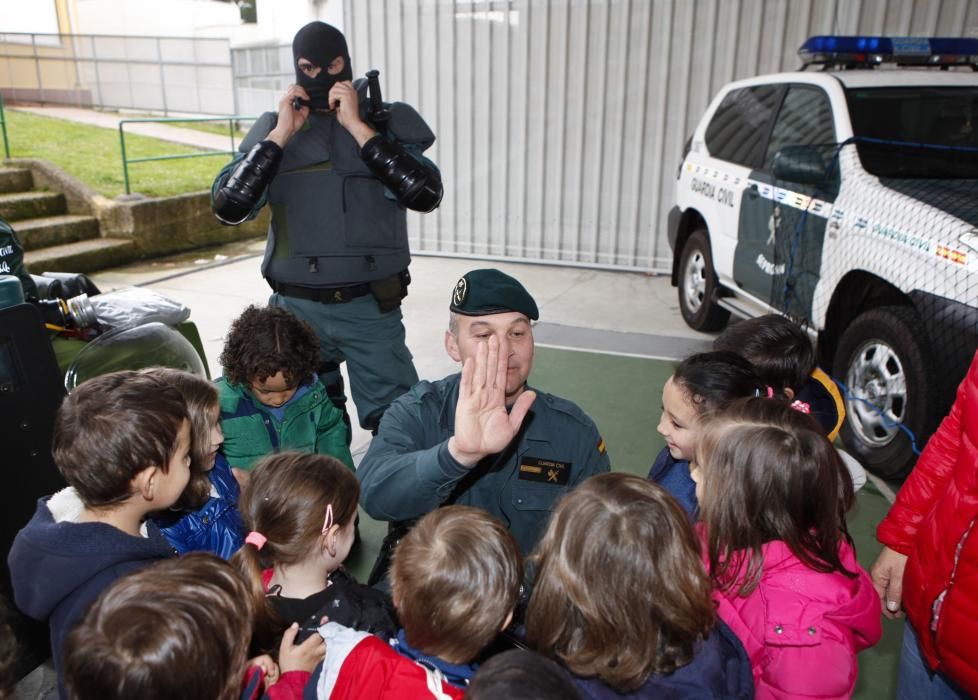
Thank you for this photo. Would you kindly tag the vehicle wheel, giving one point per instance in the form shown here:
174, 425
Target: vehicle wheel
698, 285
883, 358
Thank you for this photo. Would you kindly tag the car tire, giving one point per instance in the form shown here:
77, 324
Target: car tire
698, 285
883, 358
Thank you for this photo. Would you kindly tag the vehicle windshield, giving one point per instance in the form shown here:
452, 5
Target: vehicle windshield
927, 132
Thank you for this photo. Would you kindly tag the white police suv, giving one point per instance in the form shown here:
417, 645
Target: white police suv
847, 198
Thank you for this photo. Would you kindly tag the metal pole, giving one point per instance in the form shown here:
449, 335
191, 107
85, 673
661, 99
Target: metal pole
234, 82
3, 126
98, 77
132, 97
196, 75
125, 164
76, 62
37, 69
159, 57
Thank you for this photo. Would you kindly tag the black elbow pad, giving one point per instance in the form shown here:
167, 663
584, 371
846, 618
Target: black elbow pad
234, 201
416, 186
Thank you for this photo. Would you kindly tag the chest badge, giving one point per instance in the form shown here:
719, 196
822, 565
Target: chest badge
545, 471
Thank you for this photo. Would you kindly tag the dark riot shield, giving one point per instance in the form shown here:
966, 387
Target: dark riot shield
30, 393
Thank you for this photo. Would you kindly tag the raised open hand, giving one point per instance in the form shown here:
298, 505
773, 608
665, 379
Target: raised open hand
482, 424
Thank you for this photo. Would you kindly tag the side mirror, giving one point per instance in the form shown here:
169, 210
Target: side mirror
801, 164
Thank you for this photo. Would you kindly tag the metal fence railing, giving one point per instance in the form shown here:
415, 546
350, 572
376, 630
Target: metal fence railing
172, 75
3, 128
231, 120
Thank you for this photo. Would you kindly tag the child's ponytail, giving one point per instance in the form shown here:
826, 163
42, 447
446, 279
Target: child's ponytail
283, 508
268, 626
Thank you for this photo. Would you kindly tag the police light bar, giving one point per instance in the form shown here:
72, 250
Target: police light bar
869, 51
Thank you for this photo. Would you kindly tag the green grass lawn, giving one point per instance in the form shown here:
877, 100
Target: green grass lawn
93, 155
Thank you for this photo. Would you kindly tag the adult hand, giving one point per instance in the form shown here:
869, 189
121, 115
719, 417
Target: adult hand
268, 667
343, 98
302, 657
887, 575
290, 119
482, 424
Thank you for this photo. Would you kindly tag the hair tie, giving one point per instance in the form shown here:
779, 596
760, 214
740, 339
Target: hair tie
257, 539
328, 522
801, 407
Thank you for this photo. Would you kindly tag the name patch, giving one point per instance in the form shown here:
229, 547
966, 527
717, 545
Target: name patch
546, 471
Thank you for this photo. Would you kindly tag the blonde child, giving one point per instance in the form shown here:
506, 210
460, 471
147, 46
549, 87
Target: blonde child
701, 384
622, 600
299, 510
206, 517
455, 578
773, 497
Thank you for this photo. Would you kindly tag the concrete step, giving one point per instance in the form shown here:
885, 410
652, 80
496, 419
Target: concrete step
29, 205
55, 230
15, 179
81, 256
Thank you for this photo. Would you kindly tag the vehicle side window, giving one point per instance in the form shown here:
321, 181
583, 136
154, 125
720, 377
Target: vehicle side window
805, 120
739, 128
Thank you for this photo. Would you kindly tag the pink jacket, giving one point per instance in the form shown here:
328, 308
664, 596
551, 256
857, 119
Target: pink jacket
802, 628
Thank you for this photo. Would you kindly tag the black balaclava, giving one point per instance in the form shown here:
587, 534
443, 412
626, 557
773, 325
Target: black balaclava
320, 43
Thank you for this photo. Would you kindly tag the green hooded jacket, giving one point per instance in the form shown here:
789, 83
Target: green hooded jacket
311, 424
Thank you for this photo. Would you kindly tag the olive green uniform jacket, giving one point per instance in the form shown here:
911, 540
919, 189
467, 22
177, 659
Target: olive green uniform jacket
408, 470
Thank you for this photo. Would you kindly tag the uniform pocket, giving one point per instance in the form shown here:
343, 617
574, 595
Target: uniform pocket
537, 497
372, 219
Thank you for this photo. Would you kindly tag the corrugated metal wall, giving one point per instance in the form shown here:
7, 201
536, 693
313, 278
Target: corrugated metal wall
561, 123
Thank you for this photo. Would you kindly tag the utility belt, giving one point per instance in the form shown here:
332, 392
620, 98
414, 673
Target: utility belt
388, 292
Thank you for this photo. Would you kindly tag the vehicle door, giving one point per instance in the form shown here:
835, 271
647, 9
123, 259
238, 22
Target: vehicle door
786, 205
736, 138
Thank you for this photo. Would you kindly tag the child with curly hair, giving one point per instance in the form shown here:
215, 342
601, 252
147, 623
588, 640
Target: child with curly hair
271, 397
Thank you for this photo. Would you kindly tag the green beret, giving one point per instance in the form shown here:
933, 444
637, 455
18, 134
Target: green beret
484, 292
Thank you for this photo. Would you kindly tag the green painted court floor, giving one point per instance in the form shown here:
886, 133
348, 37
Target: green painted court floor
624, 397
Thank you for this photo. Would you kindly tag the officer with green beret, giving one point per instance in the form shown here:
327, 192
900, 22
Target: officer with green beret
482, 437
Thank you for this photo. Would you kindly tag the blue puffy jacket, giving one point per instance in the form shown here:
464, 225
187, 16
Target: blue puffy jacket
216, 527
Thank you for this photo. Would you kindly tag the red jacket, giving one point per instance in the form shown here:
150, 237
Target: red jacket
359, 666
931, 522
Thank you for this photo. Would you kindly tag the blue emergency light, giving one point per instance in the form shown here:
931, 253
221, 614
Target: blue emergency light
870, 51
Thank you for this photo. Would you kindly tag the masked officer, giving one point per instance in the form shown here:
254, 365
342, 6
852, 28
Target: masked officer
339, 178
482, 438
